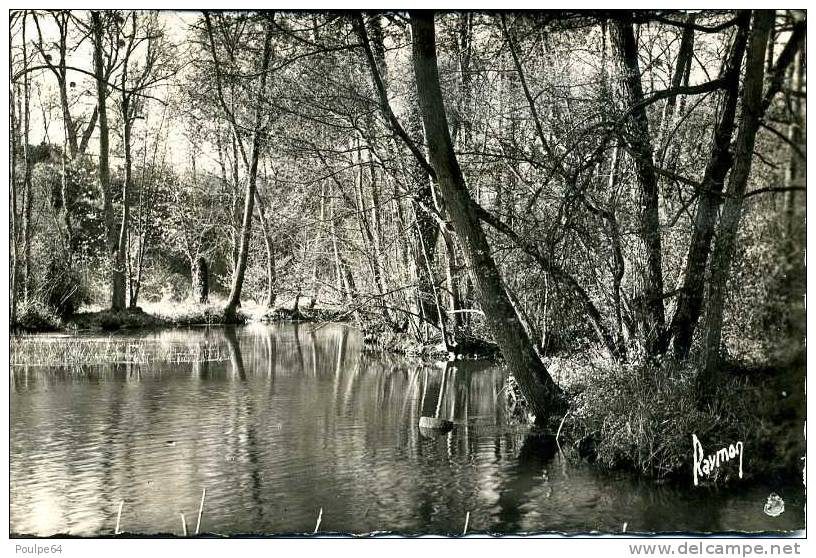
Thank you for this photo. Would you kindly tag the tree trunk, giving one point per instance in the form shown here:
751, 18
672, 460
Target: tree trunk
618, 261
271, 294
201, 282
13, 137
723, 254
345, 280
426, 233
122, 244
794, 172
236, 205
636, 134
684, 56
542, 393
28, 279
249, 197
111, 240
454, 296
690, 298
316, 247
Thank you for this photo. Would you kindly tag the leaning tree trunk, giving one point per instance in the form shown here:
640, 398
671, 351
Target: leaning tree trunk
117, 275
690, 299
636, 135
725, 246
542, 393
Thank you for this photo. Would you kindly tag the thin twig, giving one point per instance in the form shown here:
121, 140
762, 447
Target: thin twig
467, 521
183, 523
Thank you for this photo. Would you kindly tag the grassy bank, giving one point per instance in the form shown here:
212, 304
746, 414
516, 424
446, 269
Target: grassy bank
642, 418
33, 318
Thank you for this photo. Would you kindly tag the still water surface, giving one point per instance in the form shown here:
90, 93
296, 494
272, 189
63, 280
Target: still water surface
290, 419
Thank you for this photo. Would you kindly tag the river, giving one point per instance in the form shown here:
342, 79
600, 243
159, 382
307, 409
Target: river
290, 423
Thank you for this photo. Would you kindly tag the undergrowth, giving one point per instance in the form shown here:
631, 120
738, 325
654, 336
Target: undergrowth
642, 418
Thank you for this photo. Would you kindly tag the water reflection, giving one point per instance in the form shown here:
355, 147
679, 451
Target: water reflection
290, 419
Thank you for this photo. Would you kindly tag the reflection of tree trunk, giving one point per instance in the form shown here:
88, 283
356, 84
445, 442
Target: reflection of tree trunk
723, 254
271, 354
518, 350
299, 348
341, 351
535, 454
234, 348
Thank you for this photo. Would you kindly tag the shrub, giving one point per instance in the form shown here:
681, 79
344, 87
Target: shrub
36, 316
642, 418
61, 288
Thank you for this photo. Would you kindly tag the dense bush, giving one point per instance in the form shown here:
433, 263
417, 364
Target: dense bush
62, 289
642, 418
33, 315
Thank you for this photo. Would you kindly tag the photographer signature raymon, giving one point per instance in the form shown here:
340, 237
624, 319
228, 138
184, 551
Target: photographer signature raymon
706, 465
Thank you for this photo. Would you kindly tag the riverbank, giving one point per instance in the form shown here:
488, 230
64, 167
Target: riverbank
644, 419
169, 315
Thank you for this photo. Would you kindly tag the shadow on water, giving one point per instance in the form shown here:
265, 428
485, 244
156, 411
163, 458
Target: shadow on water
287, 420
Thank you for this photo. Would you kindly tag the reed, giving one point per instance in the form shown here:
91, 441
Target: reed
116, 531
33, 351
319, 519
200, 510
